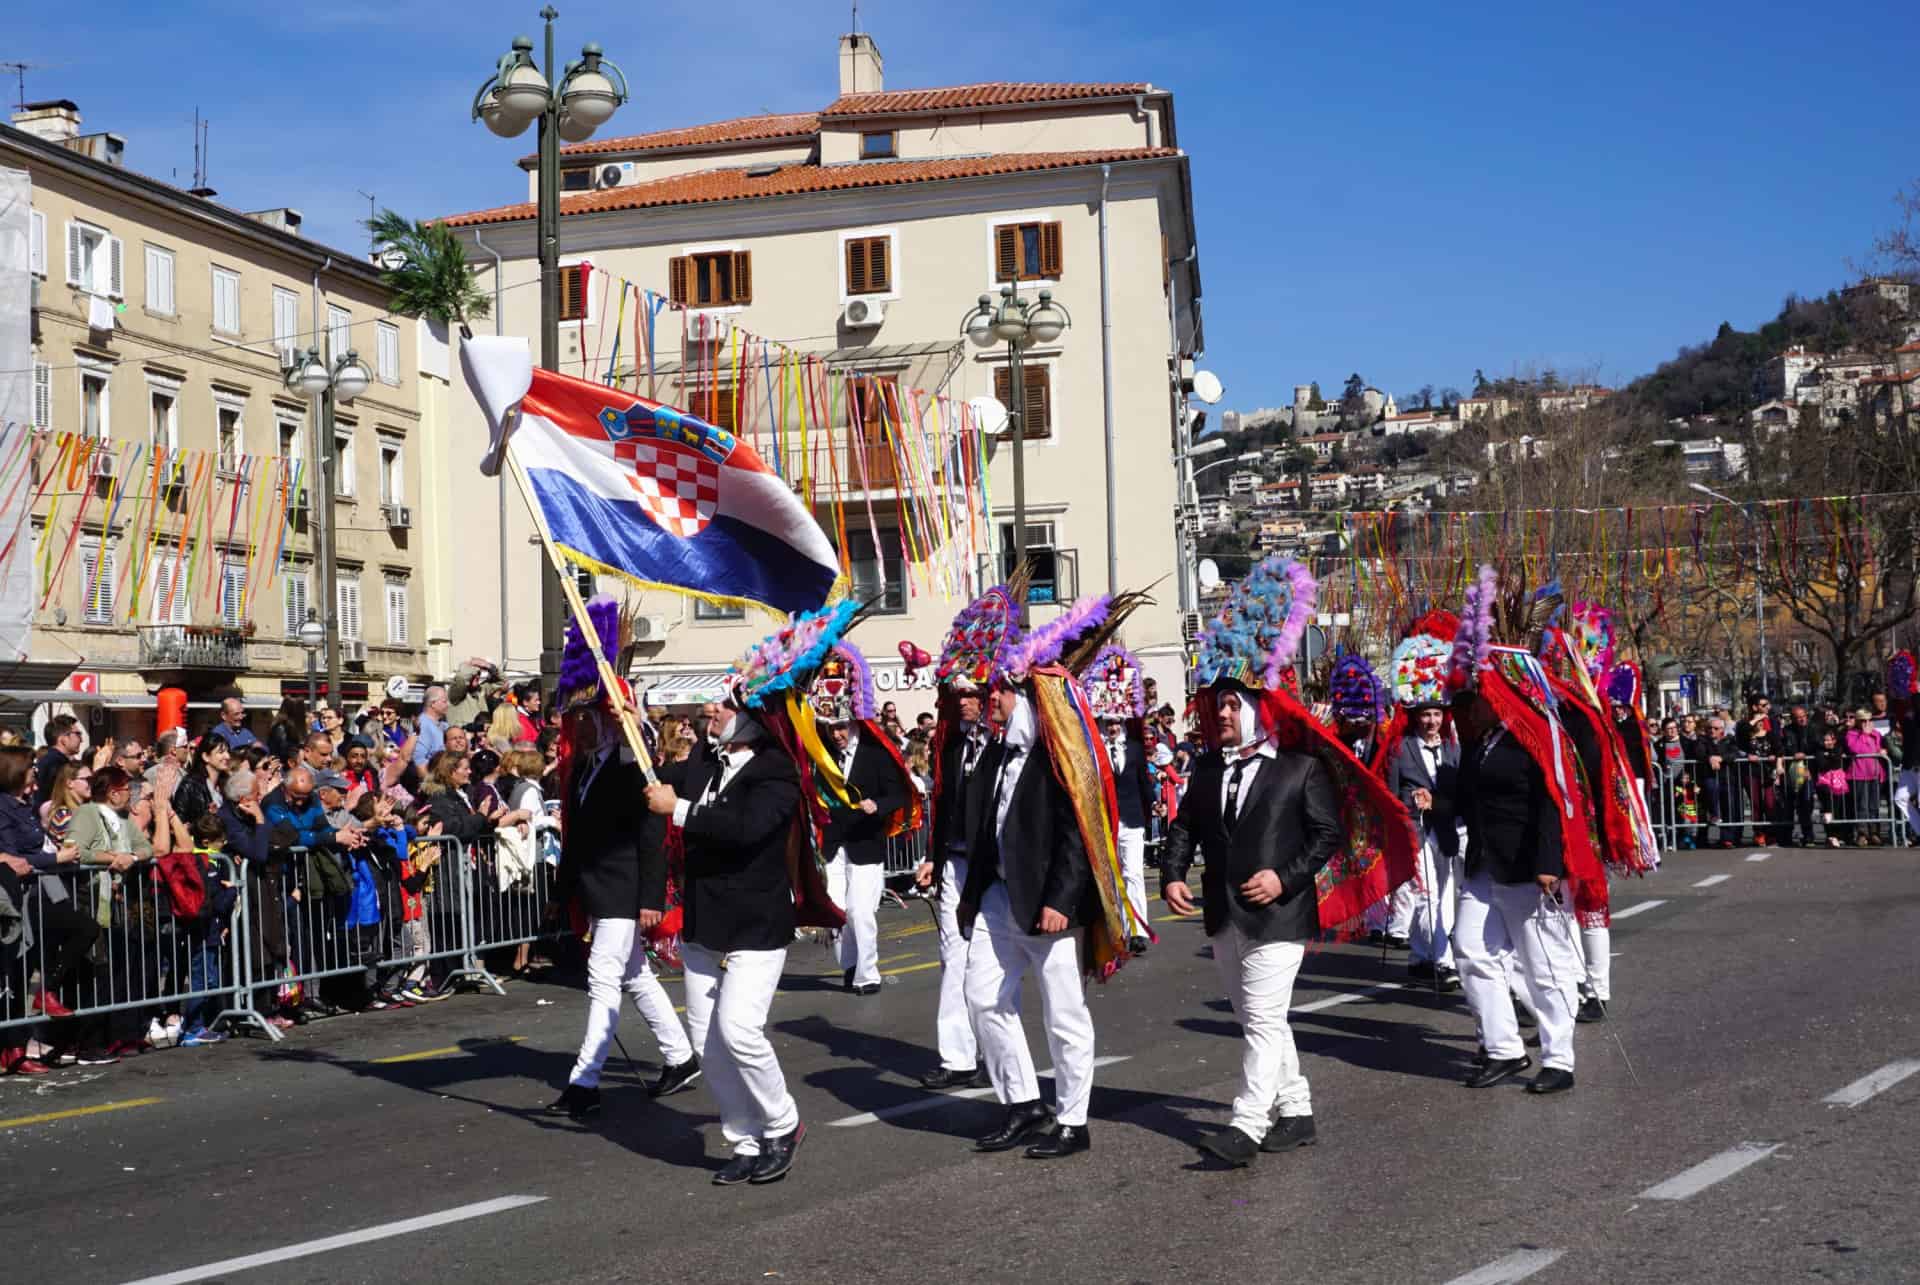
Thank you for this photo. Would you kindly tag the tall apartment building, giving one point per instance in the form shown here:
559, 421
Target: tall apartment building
910, 204
162, 317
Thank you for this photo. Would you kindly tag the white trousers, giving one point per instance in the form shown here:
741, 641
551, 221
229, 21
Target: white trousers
727, 1017
1132, 842
998, 959
617, 961
1495, 918
1400, 908
1596, 949
1430, 937
1258, 977
1906, 796
959, 1048
856, 890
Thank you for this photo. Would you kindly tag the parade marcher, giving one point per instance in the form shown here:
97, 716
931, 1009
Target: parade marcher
746, 822
613, 864
1903, 706
1521, 794
1424, 773
1112, 683
1043, 864
884, 804
1297, 837
1353, 703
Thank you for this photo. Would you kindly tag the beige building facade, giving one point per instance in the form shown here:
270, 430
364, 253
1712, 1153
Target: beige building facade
911, 204
164, 318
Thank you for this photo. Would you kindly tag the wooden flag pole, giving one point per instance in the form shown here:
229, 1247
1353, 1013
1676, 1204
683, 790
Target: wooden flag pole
607, 678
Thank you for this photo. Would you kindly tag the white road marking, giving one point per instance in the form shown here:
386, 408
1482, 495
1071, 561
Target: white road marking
1703, 1175
329, 1243
1758, 856
938, 1100
1638, 908
1516, 1266
1870, 1086
1334, 1001
1711, 880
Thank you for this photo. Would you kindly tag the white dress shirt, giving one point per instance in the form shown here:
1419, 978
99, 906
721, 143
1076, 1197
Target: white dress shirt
1262, 754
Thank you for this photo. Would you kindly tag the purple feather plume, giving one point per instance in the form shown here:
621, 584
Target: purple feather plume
1474, 643
860, 699
1048, 642
1304, 593
578, 669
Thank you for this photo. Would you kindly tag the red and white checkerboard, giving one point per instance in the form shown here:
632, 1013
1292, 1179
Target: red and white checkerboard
678, 487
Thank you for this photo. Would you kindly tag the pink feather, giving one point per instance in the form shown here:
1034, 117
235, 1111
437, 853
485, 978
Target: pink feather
1305, 594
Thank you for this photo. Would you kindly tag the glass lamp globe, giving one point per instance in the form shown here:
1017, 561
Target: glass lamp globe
1009, 324
351, 379
523, 92
499, 120
589, 99
1046, 323
312, 636
979, 324
312, 377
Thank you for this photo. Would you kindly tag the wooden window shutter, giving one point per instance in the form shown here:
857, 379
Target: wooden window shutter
880, 263
1039, 395
73, 254
573, 292
1006, 253
1002, 387
1049, 249
857, 266
679, 269
742, 277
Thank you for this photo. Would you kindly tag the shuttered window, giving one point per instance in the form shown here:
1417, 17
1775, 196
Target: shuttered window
350, 607
172, 604
573, 291
96, 261
711, 280
160, 280
286, 323
233, 593
1038, 385
1026, 252
96, 583
870, 265
42, 395
37, 251
397, 613
339, 332
387, 351
294, 599
226, 301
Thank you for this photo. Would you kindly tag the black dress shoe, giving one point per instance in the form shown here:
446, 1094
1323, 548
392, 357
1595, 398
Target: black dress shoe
1137, 945
1421, 970
1024, 1120
675, 1078
1449, 979
846, 980
1551, 1080
1398, 943
576, 1101
942, 1078
1480, 1058
867, 988
1288, 1132
776, 1155
1496, 1070
1592, 1009
735, 1171
1065, 1140
1231, 1146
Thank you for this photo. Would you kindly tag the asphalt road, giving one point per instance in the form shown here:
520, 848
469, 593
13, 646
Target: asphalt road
1698, 1146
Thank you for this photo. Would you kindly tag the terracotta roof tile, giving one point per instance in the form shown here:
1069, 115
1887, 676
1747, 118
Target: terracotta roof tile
960, 97
744, 130
707, 186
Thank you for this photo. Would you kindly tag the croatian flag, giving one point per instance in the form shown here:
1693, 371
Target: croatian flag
631, 488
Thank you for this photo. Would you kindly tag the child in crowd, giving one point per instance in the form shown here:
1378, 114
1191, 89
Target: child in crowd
207, 934
1686, 799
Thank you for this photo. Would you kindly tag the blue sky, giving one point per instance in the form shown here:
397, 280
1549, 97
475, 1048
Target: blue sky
1409, 191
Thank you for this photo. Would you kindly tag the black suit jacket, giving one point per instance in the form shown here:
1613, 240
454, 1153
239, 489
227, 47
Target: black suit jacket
1513, 829
737, 894
612, 856
875, 776
1039, 856
963, 797
1289, 823
1408, 772
1133, 787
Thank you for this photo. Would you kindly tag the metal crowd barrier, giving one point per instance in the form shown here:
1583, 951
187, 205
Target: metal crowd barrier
905, 852
1747, 801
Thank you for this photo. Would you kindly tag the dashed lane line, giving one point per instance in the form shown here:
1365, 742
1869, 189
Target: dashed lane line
1334, 1001
939, 1100
1711, 880
910, 968
1869, 1086
48, 1117
1759, 856
308, 1248
1692, 1182
1637, 908
447, 1050
1516, 1266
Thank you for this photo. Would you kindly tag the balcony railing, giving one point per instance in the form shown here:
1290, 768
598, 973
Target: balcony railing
192, 647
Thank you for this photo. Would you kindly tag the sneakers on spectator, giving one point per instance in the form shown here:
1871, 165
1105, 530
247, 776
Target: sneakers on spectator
48, 1005
199, 1036
162, 1037
433, 994
90, 1057
16, 1062
127, 1048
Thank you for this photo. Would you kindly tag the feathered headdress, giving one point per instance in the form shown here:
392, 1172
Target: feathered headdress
1353, 689
1473, 641
1113, 685
1624, 687
579, 685
1257, 634
787, 659
1419, 672
843, 690
1592, 633
1903, 679
980, 635
1072, 639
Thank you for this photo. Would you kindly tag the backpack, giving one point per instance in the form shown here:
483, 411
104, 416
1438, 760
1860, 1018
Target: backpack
179, 873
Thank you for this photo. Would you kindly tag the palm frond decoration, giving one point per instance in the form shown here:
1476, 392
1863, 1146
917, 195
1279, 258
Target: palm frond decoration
436, 281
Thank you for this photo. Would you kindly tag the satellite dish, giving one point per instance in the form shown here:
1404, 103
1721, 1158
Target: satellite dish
989, 414
393, 258
396, 687
1209, 574
1207, 387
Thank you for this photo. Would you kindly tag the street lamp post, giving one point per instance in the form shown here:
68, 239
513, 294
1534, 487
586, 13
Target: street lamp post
341, 381
313, 636
1759, 589
1018, 324
568, 107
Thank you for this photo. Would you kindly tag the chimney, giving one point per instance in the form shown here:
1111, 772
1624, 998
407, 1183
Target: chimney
860, 64
285, 218
57, 120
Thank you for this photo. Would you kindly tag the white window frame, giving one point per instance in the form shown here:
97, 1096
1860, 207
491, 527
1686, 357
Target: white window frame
96, 609
393, 450
896, 575
42, 395
398, 603
165, 386
225, 401
386, 346
226, 315
286, 324
343, 463
347, 605
107, 243
893, 263
339, 332
170, 573
90, 369
37, 245
163, 282
1026, 284
292, 577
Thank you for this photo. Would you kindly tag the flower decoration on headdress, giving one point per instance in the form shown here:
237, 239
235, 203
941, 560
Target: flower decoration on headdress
788, 658
1419, 673
843, 690
1353, 689
980, 634
1591, 630
1473, 641
1113, 685
1258, 632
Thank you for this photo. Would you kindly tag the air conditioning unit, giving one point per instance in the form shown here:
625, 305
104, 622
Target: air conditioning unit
1191, 623
649, 628
863, 312
353, 651
398, 516
297, 500
102, 462
607, 176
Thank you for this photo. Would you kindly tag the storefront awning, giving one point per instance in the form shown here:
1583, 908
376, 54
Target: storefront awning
688, 687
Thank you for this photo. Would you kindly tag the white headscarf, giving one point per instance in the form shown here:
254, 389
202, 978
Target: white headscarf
1021, 728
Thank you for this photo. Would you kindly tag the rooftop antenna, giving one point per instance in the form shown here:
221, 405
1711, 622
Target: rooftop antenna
20, 70
201, 151
371, 216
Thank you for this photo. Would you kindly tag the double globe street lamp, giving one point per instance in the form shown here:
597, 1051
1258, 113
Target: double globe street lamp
1019, 325
342, 380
